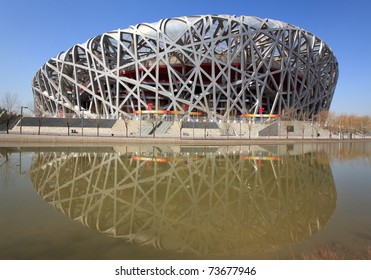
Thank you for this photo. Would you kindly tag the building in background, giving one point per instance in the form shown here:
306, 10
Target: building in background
218, 66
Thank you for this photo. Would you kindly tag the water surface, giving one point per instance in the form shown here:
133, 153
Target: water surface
185, 202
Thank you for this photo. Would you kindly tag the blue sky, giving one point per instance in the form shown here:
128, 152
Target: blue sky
32, 32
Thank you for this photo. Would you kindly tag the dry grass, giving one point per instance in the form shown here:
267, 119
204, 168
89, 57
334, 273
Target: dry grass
321, 254
367, 253
330, 254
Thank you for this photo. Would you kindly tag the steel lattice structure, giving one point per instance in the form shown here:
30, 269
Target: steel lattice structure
213, 204
219, 65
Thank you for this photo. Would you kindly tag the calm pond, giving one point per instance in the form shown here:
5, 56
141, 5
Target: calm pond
186, 202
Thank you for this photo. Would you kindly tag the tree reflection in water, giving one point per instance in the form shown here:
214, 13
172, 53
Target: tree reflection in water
8, 164
203, 200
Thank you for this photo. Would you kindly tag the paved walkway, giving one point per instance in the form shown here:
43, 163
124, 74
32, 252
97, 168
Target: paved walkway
47, 140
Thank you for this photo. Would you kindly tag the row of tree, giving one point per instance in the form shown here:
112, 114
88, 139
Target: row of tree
344, 123
8, 109
335, 123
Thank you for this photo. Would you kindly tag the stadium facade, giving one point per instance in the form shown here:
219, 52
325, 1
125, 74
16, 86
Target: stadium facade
218, 66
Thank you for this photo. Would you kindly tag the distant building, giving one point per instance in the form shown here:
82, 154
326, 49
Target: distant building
219, 66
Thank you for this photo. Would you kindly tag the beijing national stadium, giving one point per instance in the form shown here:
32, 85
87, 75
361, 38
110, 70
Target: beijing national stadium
217, 66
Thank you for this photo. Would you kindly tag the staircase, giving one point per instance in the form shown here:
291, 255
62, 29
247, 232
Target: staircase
163, 127
270, 130
145, 129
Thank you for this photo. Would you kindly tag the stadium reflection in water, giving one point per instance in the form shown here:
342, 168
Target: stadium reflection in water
199, 200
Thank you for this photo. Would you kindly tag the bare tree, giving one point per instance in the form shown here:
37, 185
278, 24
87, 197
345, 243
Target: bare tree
154, 120
204, 125
322, 117
324, 120
69, 117
39, 116
344, 123
126, 120
367, 125
180, 125
250, 124
303, 123
227, 125
355, 125
364, 125
358, 124
9, 102
330, 123
334, 125
31, 109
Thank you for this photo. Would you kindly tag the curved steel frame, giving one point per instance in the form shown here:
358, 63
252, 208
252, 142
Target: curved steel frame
219, 65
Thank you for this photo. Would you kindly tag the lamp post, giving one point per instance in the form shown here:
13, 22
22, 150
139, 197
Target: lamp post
20, 126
